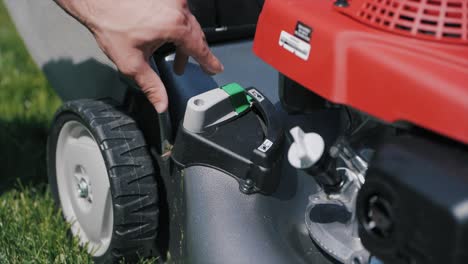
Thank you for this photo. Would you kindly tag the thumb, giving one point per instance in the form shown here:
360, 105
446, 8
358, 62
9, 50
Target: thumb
152, 87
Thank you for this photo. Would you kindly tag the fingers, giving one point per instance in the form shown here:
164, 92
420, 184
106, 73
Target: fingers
194, 44
180, 62
152, 87
207, 60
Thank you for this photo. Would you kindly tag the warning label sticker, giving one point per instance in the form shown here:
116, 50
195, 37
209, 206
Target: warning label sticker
267, 144
303, 32
295, 45
257, 95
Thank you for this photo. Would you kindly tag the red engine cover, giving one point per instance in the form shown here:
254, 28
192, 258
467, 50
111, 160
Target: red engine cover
389, 75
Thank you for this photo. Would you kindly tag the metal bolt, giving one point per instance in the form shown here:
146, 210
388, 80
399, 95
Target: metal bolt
247, 186
334, 151
83, 189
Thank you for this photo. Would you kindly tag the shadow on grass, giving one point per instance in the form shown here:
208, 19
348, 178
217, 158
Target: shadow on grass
23, 136
23, 153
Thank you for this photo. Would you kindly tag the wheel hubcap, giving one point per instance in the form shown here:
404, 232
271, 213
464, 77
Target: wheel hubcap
84, 188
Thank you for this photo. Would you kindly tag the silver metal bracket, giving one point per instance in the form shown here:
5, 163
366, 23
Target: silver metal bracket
331, 217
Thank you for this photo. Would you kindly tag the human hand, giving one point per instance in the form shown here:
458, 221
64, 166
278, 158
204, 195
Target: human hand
129, 31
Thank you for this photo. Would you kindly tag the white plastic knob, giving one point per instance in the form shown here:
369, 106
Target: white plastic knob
306, 150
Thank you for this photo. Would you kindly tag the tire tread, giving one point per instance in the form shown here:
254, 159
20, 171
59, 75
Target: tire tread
129, 164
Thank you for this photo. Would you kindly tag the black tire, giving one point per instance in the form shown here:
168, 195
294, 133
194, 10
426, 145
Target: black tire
131, 174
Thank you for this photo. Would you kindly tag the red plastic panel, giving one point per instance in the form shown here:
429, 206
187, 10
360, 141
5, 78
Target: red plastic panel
390, 76
439, 20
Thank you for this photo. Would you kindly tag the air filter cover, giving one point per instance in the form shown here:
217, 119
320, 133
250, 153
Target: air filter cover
437, 20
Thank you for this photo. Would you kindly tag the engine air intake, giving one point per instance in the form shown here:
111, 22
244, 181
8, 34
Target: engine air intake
438, 20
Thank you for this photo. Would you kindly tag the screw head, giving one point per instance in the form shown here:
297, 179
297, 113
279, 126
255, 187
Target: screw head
83, 189
341, 3
247, 186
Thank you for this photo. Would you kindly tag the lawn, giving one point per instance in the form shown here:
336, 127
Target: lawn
31, 231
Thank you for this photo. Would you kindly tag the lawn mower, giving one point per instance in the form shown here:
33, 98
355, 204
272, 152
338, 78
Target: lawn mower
337, 134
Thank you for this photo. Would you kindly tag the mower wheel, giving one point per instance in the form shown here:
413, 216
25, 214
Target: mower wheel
102, 177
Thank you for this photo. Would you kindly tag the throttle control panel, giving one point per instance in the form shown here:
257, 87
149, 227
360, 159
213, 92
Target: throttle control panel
235, 130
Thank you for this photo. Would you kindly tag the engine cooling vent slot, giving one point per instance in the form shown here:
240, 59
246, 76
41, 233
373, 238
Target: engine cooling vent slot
439, 20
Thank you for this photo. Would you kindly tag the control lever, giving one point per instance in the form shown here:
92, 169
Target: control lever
235, 130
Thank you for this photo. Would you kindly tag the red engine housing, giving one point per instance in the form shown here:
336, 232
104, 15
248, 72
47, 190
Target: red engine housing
362, 57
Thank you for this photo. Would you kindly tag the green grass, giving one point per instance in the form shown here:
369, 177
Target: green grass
31, 230
27, 105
